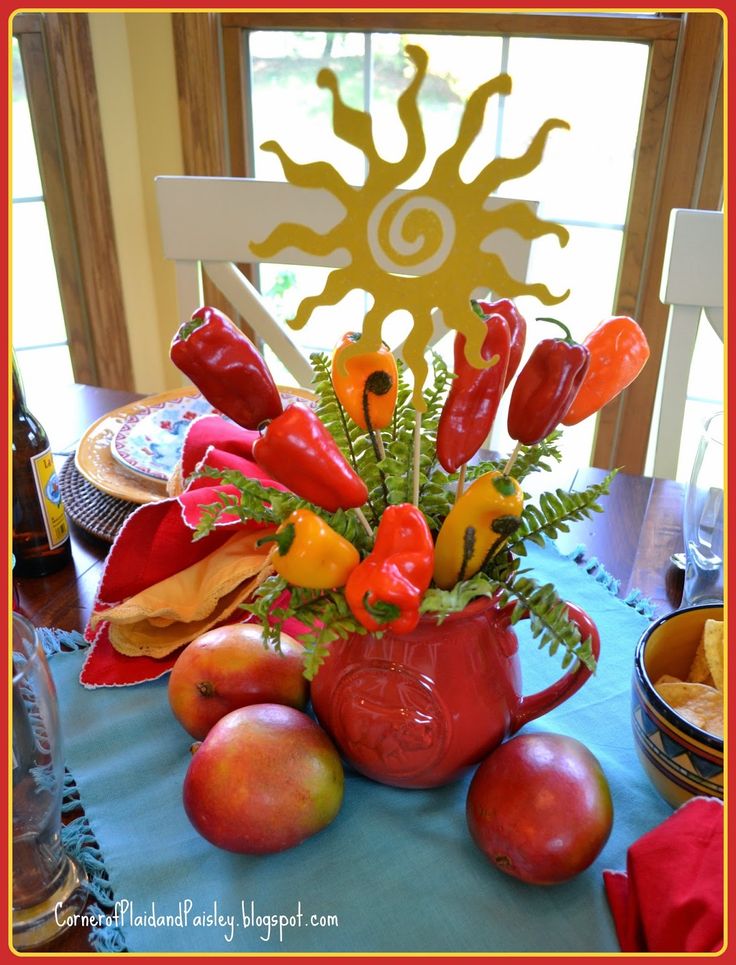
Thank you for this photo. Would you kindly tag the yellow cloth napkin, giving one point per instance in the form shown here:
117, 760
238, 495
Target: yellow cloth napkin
169, 614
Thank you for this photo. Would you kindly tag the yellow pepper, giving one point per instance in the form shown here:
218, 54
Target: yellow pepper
487, 511
367, 386
310, 553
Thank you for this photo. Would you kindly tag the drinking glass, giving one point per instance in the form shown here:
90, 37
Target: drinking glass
703, 519
49, 887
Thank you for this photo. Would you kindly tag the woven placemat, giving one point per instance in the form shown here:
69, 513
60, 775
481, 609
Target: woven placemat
88, 507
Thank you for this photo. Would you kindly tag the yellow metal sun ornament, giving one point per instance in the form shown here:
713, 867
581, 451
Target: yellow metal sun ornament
417, 250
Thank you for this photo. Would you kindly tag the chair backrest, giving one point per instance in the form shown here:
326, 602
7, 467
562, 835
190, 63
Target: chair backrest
208, 224
692, 283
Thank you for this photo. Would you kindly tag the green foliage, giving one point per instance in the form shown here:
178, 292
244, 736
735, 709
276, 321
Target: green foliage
325, 614
354, 443
530, 459
513, 588
548, 617
271, 506
255, 501
553, 513
454, 600
435, 498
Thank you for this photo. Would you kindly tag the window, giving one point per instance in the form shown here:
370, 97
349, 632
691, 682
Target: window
39, 334
583, 181
643, 83
65, 194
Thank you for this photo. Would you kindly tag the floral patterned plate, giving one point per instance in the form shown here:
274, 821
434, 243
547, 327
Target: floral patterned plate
149, 440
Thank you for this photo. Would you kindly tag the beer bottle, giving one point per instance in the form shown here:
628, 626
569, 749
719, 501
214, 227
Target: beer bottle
40, 528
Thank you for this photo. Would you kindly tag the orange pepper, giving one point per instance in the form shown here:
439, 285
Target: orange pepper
366, 385
618, 352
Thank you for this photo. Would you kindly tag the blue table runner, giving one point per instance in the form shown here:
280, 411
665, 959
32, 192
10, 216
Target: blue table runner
396, 871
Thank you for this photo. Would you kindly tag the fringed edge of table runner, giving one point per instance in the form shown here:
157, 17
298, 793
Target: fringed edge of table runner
78, 837
593, 567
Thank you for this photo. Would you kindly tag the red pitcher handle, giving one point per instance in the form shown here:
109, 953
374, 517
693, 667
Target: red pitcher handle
535, 705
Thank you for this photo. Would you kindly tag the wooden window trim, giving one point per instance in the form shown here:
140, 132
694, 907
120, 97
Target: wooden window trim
658, 27
58, 64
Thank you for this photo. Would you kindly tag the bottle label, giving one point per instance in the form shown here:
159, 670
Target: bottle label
49, 498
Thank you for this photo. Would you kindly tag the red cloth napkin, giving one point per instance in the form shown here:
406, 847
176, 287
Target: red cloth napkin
155, 542
670, 898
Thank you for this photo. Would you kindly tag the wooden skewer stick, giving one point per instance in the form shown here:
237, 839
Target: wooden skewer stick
380, 451
363, 521
461, 481
417, 453
512, 459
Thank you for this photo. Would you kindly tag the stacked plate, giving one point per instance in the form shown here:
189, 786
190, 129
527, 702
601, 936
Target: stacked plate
126, 458
131, 452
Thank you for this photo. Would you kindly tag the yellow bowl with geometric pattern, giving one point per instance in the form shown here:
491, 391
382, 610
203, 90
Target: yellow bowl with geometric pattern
680, 759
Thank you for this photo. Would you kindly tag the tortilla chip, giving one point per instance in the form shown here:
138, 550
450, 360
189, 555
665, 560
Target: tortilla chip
165, 616
175, 482
699, 672
667, 678
697, 703
713, 646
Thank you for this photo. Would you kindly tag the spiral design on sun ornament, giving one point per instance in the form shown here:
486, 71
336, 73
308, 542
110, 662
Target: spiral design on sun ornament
411, 234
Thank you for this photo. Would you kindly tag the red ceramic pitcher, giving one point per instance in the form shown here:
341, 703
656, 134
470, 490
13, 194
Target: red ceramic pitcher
418, 709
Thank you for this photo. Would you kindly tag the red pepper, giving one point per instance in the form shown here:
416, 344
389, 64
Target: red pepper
618, 352
546, 386
517, 327
472, 402
297, 450
226, 367
385, 590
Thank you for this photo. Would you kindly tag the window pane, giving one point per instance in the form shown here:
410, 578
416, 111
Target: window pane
289, 108
597, 87
583, 181
37, 314
26, 179
43, 371
704, 394
457, 65
284, 286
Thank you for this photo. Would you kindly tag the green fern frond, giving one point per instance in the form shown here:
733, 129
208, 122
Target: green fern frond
530, 459
330, 410
535, 458
325, 613
554, 510
443, 602
398, 467
254, 501
511, 587
549, 620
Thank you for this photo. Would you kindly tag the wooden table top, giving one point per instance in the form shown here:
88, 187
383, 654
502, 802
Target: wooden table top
633, 538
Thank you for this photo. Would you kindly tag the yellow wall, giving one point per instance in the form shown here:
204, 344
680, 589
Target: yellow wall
136, 84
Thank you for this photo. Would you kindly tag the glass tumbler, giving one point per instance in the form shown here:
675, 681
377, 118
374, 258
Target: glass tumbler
703, 519
49, 887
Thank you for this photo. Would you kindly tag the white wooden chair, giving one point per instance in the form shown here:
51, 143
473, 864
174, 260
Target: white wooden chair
207, 225
692, 284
